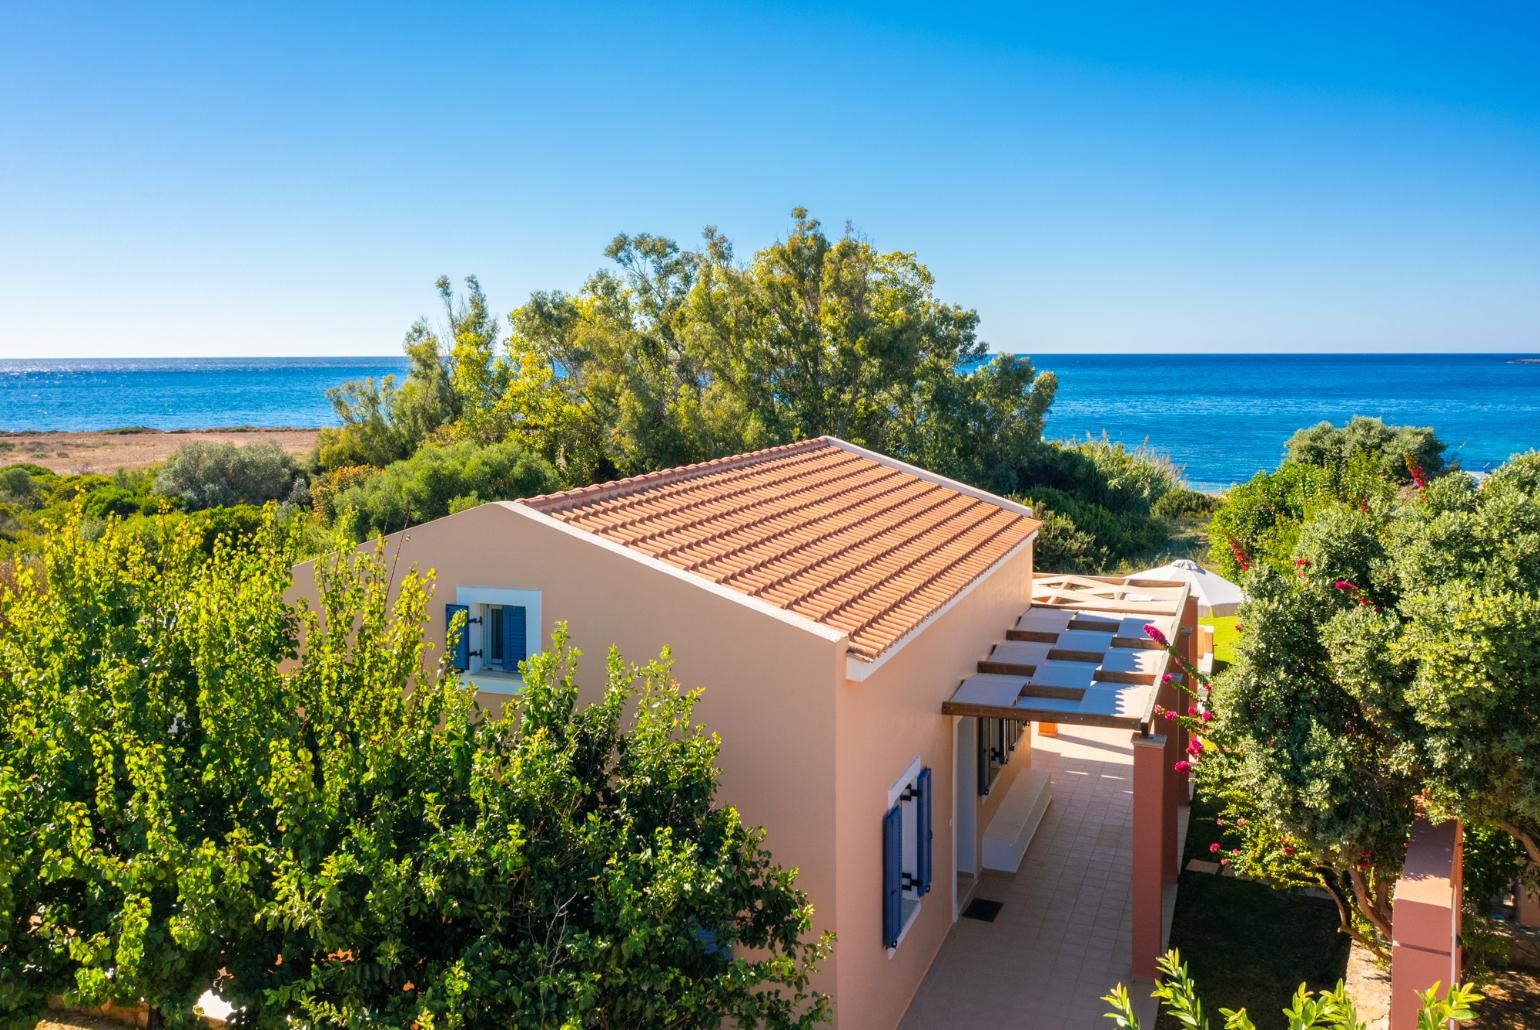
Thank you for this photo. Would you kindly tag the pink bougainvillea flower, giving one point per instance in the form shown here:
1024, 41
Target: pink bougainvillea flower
1301, 563
1195, 747
1224, 861
1168, 714
1288, 849
1207, 716
1342, 584
1153, 632
1167, 678
1192, 710
1213, 849
1184, 767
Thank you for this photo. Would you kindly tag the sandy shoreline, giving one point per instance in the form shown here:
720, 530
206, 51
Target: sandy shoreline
103, 451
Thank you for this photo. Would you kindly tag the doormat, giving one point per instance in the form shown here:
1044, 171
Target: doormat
979, 908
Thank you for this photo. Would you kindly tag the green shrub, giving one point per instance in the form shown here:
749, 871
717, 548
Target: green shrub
1183, 503
213, 475
17, 488
1324, 445
438, 479
1098, 500
1261, 518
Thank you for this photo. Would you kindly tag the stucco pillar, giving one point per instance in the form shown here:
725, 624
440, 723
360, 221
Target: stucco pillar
1171, 783
1529, 907
1147, 887
1425, 945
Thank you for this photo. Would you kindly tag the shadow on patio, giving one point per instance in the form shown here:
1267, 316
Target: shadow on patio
1063, 936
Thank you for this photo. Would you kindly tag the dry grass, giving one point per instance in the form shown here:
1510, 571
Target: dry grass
105, 451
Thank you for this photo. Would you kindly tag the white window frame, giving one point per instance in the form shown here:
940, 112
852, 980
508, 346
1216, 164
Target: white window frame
497, 681
908, 845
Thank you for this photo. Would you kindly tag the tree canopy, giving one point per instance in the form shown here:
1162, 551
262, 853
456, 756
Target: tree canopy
1392, 669
673, 356
201, 782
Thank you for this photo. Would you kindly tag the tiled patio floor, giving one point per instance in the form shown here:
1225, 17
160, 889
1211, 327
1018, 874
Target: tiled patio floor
1062, 939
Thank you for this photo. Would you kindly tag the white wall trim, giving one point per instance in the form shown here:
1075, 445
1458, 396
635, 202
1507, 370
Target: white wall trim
858, 669
790, 618
534, 633
910, 904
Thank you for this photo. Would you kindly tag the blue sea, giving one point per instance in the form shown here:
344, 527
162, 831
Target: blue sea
1220, 417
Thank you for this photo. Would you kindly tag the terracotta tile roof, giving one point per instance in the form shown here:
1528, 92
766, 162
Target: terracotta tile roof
815, 527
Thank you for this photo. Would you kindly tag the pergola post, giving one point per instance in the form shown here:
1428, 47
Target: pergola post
1529, 907
1151, 843
1170, 784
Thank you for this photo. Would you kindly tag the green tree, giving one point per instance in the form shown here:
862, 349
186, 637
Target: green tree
200, 782
674, 356
1393, 671
130, 748
437, 480
452, 372
564, 865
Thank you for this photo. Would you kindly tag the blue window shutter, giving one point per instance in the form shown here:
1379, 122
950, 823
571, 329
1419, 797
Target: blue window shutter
513, 637
892, 876
922, 832
460, 656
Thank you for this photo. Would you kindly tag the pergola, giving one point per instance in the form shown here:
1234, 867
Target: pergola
1080, 655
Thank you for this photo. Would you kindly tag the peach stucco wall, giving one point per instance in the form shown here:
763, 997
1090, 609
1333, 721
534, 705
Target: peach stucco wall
806, 752
769, 684
883, 722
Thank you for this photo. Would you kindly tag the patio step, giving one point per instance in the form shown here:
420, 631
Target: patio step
1015, 822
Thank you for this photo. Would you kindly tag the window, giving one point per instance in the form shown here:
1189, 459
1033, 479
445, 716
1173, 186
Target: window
997, 742
502, 629
906, 851
505, 643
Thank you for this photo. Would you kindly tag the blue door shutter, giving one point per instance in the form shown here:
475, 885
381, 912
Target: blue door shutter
892, 876
460, 653
513, 637
922, 833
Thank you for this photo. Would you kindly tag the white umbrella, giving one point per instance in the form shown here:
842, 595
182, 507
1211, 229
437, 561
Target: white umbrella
1216, 595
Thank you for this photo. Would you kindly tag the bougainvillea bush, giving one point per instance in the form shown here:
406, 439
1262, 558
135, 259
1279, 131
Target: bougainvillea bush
1393, 669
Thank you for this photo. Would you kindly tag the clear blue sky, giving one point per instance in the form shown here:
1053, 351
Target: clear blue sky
275, 179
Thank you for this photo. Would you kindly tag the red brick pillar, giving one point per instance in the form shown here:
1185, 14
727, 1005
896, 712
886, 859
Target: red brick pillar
1425, 946
1147, 887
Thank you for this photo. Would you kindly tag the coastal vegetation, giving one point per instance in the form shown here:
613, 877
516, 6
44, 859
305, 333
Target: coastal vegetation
669, 356
1384, 669
672, 356
1321, 1010
201, 783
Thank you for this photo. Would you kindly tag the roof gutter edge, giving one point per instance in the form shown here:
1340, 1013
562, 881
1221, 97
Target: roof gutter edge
858, 669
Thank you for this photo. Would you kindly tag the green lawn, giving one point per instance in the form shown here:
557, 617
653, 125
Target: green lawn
1224, 637
1246, 944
